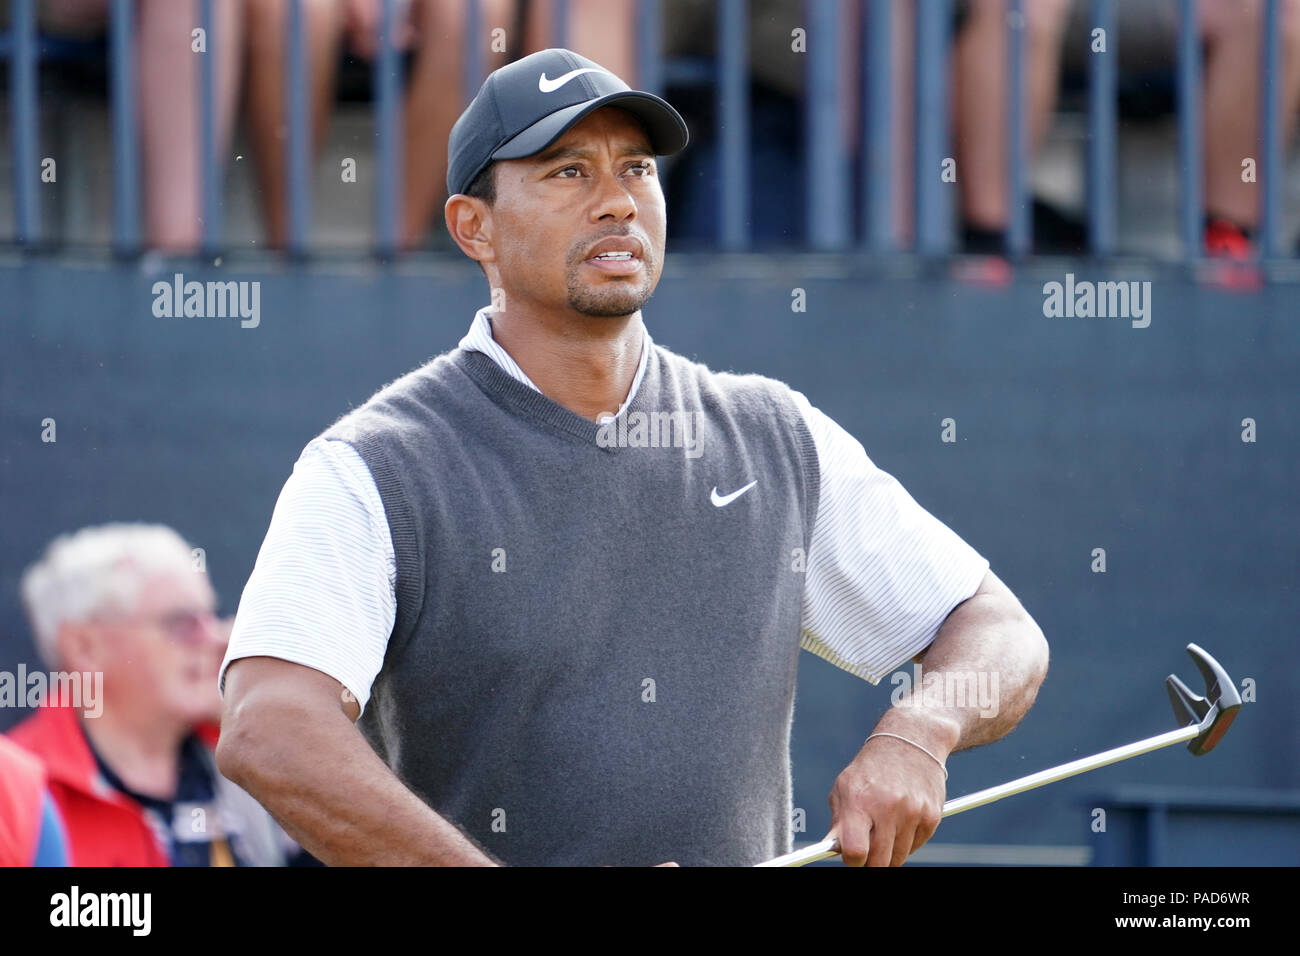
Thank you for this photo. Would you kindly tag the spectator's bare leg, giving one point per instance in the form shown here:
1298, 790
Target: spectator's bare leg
605, 31
979, 76
268, 22
1233, 64
169, 112
437, 97
600, 30
903, 89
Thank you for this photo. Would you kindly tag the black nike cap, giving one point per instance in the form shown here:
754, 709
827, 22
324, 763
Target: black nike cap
526, 105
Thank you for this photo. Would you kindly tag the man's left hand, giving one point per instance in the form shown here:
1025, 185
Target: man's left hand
886, 803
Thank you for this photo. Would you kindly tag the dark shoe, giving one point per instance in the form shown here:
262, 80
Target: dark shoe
1056, 233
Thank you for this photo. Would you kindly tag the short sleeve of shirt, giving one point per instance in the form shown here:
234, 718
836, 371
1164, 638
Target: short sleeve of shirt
883, 573
322, 592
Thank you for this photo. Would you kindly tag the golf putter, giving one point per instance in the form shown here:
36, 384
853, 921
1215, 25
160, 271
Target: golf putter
1202, 723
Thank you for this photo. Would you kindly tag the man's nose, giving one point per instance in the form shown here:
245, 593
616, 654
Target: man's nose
614, 198
215, 631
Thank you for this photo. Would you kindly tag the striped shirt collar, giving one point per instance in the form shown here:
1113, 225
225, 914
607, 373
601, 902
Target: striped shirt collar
479, 339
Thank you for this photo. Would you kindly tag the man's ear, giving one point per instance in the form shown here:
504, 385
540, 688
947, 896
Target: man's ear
469, 223
81, 646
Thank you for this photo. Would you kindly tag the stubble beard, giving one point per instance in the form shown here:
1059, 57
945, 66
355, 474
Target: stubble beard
612, 297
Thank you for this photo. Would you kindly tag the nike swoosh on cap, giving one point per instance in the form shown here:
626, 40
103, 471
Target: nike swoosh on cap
721, 500
550, 86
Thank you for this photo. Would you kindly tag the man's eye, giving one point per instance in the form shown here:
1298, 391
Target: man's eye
647, 168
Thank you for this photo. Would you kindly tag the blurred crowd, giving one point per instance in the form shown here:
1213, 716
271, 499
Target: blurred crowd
250, 47
250, 44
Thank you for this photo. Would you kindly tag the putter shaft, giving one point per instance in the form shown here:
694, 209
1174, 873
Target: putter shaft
828, 847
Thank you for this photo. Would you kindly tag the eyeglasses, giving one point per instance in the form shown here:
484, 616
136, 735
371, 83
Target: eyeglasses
185, 627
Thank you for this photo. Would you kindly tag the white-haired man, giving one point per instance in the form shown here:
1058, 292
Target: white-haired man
127, 605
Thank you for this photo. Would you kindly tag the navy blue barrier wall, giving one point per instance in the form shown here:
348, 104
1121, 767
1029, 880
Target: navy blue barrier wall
1168, 826
1072, 434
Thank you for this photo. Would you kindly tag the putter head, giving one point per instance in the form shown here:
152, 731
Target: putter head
1214, 712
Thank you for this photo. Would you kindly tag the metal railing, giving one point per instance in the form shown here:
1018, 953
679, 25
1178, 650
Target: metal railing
829, 191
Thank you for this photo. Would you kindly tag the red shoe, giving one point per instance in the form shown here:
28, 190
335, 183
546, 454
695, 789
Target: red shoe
1225, 240
1235, 267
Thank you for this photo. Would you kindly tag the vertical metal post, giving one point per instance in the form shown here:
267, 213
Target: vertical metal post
1189, 129
209, 166
473, 69
126, 156
878, 126
22, 83
649, 48
1019, 226
388, 128
1271, 160
649, 57
297, 116
733, 124
932, 28
1101, 132
560, 24
825, 186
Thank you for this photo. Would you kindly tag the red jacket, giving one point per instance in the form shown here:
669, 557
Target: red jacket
22, 790
104, 827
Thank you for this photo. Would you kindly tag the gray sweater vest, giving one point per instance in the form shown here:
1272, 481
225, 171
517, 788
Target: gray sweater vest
593, 661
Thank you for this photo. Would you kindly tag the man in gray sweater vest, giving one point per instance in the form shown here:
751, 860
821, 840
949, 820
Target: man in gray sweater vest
540, 600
